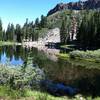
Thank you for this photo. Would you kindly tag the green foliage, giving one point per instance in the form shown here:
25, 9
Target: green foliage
55, 20
6, 92
32, 31
10, 33
65, 29
63, 56
89, 55
88, 27
28, 32
2, 43
18, 33
18, 78
26, 94
37, 22
89, 30
43, 22
1, 33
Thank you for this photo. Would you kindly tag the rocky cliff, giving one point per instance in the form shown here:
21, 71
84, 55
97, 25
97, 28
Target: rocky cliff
89, 4
53, 35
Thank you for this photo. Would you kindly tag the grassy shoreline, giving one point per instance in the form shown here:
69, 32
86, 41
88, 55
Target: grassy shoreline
9, 94
93, 56
26, 94
68, 56
89, 55
6, 93
3, 43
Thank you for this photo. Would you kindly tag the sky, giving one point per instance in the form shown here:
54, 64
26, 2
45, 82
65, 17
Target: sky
16, 11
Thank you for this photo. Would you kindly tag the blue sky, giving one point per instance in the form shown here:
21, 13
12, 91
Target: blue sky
16, 11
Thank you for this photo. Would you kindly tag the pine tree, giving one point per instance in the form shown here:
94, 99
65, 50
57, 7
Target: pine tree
43, 21
8, 32
89, 30
18, 33
64, 30
12, 32
37, 22
1, 33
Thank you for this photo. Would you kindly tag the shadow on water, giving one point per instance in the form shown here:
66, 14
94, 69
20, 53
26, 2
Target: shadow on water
57, 47
58, 89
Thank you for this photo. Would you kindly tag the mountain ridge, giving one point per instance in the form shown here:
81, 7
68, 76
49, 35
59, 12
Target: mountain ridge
80, 5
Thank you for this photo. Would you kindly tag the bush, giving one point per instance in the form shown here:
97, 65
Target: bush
93, 55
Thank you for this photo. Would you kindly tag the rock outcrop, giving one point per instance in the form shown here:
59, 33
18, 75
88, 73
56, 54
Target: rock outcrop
52, 36
87, 4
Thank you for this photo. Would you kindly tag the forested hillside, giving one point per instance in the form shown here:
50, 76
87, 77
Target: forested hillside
80, 25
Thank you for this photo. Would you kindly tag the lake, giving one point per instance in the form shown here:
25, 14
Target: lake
82, 75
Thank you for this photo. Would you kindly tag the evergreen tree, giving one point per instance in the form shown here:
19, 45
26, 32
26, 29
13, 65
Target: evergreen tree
64, 30
8, 32
18, 33
89, 30
4, 35
25, 29
1, 33
12, 33
37, 22
43, 21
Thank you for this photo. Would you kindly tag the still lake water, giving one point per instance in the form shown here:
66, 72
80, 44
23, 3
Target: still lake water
82, 75
8, 55
13, 60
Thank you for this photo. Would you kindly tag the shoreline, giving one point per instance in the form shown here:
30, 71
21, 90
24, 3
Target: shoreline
50, 53
33, 44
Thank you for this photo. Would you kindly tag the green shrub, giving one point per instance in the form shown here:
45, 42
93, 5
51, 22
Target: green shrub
93, 55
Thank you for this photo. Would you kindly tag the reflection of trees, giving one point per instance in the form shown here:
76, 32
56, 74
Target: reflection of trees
0, 52
39, 57
26, 54
20, 52
9, 51
86, 80
16, 51
65, 71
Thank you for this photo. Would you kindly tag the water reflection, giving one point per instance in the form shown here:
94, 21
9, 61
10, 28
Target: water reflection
86, 80
13, 60
79, 74
11, 55
85, 76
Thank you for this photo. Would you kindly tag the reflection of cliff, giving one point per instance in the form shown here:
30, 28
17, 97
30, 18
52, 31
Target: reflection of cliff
50, 53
